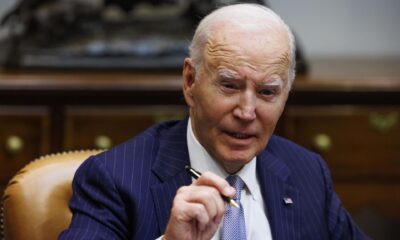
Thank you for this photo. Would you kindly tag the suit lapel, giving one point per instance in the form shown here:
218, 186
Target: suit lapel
163, 195
169, 166
280, 197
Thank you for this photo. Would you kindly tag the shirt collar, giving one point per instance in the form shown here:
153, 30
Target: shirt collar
201, 160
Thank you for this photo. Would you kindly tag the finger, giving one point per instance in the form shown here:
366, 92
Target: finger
184, 211
196, 211
213, 180
205, 195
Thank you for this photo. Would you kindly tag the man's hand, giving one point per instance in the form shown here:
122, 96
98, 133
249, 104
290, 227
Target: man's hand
198, 209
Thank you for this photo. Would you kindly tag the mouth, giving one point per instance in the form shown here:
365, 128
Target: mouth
240, 136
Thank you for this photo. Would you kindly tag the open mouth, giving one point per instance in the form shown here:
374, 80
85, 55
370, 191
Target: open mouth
239, 135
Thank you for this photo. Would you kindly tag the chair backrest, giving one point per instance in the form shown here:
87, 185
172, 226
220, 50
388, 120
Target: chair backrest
35, 202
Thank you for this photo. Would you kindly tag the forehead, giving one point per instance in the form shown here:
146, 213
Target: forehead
264, 50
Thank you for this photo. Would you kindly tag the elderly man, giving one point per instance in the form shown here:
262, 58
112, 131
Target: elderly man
235, 83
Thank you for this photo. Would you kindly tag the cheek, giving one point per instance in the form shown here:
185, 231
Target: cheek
207, 113
214, 107
269, 116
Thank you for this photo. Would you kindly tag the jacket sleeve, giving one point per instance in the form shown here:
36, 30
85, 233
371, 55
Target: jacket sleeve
97, 207
341, 225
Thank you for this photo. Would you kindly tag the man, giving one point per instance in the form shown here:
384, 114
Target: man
235, 83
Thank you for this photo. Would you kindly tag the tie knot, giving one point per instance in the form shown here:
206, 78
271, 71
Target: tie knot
236, 182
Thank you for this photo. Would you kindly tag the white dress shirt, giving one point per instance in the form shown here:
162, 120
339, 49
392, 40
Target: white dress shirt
257, 225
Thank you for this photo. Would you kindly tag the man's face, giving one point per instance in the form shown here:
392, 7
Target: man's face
239, 95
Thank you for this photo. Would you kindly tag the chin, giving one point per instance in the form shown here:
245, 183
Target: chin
233, 167
237, 160
242, 156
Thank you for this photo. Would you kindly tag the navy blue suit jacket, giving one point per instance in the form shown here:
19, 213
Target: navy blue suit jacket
127, 191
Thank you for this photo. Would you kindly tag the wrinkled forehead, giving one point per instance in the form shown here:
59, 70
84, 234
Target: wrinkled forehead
262, 48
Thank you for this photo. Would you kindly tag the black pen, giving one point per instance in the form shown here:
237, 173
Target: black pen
195, 174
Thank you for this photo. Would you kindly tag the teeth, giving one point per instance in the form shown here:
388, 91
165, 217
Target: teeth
241, 136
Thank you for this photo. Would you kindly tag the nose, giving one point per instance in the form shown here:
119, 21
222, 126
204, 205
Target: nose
246, 107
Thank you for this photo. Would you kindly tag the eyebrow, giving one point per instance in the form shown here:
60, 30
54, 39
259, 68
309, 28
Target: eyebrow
226, 73
273, 82
229, 74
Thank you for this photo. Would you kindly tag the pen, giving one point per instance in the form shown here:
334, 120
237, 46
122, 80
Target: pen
195, 174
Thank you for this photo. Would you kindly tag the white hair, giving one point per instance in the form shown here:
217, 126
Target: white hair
230, 14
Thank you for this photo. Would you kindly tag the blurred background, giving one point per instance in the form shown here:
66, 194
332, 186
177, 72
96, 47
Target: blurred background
89, 74
357, 28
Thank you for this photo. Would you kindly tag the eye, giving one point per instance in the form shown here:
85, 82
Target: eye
228, 85
267, 92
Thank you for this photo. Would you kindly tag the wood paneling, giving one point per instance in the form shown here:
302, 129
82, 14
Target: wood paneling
361, 142
24, 135
103, 127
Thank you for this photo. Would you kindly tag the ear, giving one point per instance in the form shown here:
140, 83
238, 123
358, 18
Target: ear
189, 76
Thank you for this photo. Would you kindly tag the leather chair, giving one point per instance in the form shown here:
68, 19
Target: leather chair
35, 202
